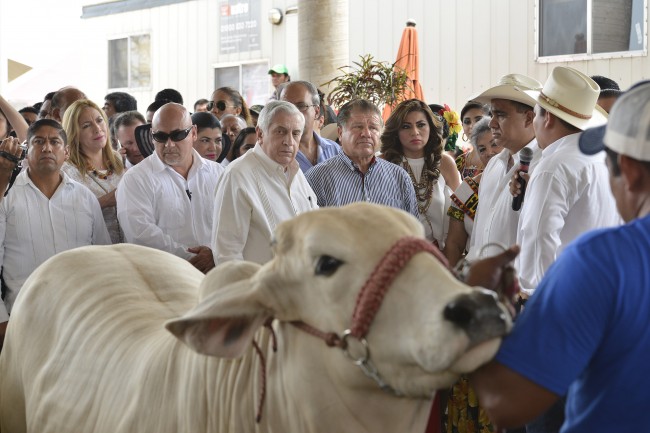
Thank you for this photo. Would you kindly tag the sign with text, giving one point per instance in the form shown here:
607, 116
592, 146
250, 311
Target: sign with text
239, 26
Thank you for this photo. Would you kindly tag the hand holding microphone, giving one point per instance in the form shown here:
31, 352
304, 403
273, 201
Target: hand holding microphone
518, 184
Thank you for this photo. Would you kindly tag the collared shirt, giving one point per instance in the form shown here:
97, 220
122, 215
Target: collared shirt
338, 181
495, 220
159, 208
254, 195
568, 194
326, 150
34, 228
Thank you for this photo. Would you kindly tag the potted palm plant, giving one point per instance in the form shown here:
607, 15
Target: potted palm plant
379, 82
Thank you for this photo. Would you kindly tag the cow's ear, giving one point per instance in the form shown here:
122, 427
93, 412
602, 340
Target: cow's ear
225, 320
224, 337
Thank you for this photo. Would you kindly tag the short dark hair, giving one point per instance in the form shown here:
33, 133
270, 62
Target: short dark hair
201, 101
564, 123
34, 127
28, 109
126, 118
204, 119
169, 95
155, 105
122, 101
363, 105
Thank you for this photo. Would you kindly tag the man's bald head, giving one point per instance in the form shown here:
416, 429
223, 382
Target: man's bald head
174, 136
63, 98
170, 112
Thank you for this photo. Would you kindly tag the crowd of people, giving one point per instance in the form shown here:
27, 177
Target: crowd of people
211, 186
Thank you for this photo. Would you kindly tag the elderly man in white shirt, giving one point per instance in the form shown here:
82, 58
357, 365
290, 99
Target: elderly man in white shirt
44, 213
262, 188
167, 200
568, 193
512, 127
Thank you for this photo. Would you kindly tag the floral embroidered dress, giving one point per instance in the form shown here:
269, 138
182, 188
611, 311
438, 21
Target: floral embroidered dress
100, 184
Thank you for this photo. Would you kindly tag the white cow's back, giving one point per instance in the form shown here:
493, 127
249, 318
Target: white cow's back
118, 329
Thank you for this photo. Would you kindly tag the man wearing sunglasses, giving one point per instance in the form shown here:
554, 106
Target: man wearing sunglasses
167, 200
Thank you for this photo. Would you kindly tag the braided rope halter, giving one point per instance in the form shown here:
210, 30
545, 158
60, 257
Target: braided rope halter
370, 299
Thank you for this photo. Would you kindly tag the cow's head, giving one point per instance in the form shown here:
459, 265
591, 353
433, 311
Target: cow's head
428, 329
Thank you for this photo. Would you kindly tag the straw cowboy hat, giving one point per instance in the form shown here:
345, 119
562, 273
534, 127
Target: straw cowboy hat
571, 95
512, 87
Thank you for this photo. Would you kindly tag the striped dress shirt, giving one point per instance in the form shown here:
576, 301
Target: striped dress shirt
326, 150
338, 181
33, 228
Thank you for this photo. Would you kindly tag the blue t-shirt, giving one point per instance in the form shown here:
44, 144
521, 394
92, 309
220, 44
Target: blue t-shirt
586, 331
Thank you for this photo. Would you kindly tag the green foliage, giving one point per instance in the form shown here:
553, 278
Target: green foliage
379, 82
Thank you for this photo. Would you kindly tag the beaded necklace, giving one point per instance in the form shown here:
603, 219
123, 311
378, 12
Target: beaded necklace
423, 188
102, 174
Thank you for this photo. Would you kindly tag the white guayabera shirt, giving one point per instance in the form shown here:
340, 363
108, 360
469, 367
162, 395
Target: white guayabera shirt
34, 228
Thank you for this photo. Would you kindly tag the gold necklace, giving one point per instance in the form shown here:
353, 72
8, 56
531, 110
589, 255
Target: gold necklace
104, 174
423, 188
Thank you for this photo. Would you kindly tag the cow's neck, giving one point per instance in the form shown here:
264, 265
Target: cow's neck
311, 386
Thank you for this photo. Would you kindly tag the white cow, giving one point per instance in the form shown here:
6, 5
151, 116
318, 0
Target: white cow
87, 349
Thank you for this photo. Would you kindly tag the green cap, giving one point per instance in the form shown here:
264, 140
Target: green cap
279, 69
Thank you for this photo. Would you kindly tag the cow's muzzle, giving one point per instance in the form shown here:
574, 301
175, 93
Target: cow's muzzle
479, 314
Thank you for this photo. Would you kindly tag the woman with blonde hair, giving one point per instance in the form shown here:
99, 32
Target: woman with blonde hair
93, 162
412, 139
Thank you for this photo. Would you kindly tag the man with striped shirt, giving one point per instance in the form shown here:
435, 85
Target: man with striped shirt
44, 213
313, 149
355, 174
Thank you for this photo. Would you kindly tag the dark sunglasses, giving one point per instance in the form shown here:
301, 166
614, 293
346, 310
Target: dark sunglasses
177, 135
221, 105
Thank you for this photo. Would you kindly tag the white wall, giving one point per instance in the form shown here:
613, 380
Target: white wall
465, 45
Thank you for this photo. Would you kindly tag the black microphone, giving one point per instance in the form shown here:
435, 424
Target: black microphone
525, 156
189, 193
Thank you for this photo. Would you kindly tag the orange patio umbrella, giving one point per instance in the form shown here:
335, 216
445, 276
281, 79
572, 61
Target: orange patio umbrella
408, 59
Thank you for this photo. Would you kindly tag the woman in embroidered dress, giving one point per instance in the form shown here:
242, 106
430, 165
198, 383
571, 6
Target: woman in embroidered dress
412, 139
470, 164
463, 413
464, 200
93, 162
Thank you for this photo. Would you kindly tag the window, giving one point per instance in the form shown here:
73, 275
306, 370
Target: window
250, 79
129, 62
582, 28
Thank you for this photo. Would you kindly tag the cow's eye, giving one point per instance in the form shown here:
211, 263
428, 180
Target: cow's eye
327, 265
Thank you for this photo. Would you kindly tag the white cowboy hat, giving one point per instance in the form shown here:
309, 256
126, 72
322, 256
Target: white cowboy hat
512, 87
571, 95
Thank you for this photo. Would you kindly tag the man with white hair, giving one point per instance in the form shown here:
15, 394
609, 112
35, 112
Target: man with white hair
261, 189
166, 201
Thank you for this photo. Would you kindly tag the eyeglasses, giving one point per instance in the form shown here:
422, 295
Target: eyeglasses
221, 105
177, 135
302, 107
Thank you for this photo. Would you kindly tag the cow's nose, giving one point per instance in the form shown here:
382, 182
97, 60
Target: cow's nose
460, 311
478, 314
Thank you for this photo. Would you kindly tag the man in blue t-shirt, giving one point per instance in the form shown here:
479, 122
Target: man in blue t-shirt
586, 331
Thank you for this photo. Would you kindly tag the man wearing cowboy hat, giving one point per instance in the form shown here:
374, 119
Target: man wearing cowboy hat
512, 128
586, 331
568, 193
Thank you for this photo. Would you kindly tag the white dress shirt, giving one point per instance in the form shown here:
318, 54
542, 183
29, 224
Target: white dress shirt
159, 208
495, 220
253, 196
568, 194
34, 228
